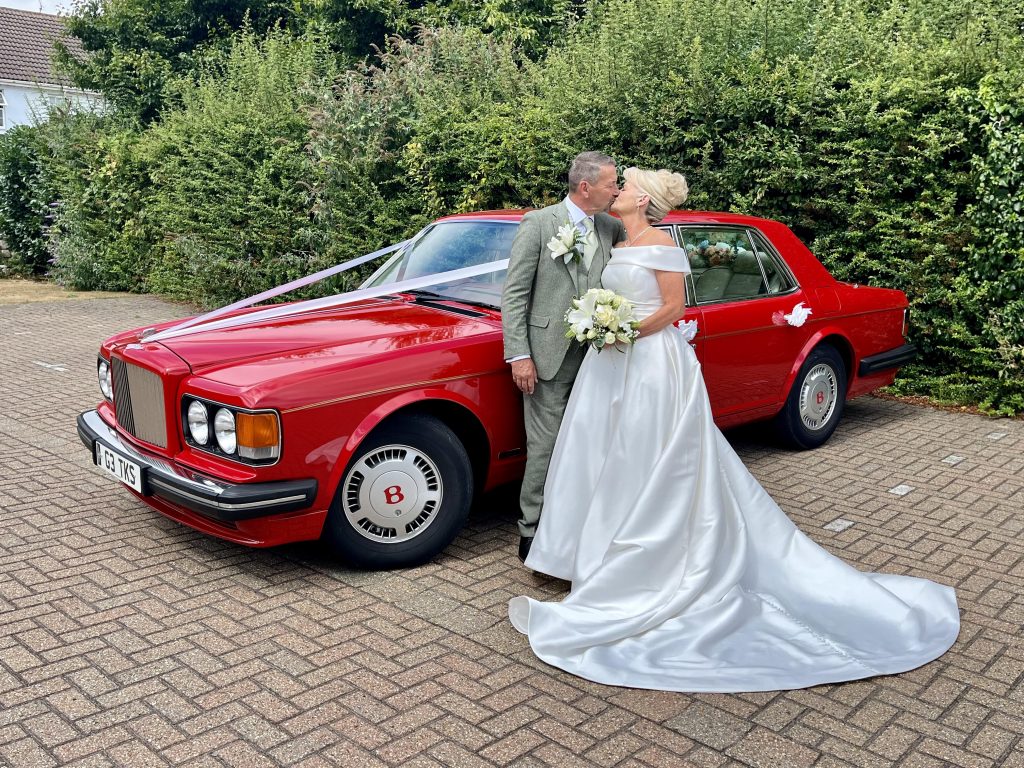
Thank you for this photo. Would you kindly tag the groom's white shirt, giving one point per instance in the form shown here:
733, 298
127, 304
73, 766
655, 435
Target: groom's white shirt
577, 216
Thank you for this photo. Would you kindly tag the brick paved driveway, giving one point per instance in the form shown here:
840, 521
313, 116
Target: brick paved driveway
126, 639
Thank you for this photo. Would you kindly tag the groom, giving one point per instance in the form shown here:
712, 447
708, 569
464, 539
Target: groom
538, 291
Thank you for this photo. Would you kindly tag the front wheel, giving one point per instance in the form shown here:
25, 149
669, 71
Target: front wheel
404, 497
815, 404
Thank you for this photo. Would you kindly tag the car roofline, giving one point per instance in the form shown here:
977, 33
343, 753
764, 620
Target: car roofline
674, 217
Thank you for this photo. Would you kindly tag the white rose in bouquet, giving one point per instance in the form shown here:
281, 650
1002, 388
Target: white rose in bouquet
606, 316
601, 317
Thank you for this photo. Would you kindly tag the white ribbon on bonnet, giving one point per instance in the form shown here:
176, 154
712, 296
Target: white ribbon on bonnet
215, 320
209, 321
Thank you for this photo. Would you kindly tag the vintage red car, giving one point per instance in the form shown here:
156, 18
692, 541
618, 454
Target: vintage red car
374, 425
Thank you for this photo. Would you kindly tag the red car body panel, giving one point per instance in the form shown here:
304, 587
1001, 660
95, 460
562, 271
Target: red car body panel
334, 375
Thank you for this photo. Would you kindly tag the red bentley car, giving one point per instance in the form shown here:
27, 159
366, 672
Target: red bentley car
374, 425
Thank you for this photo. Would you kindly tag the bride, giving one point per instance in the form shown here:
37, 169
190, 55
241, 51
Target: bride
686, 576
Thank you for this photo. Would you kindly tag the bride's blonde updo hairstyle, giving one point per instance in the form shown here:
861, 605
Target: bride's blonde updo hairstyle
666, 189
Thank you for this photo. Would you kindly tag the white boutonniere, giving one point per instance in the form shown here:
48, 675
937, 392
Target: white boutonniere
568, 243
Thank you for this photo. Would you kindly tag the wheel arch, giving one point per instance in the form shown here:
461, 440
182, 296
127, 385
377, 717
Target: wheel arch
834, 338
456, 413
845, 350
466, 426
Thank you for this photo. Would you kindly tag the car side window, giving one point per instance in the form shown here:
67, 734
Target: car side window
725, 264
673, 232
776, 273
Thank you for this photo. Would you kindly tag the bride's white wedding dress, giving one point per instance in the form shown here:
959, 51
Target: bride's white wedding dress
686, 576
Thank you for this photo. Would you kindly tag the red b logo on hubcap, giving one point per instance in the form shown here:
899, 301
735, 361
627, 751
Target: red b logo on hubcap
821, 398
394, 495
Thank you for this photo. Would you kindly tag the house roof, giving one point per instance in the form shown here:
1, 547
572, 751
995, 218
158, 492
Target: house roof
26, 46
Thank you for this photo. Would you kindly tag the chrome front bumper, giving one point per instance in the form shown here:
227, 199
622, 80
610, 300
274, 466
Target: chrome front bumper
228, 502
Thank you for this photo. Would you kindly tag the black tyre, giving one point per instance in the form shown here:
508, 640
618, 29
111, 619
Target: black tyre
815, 404
404, 495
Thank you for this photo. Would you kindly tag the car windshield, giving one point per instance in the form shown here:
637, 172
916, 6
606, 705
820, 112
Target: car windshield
450, 245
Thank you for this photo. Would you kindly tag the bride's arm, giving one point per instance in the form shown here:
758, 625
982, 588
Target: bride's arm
673, 294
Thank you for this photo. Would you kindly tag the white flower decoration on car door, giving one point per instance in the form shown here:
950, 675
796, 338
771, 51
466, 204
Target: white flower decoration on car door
798, 315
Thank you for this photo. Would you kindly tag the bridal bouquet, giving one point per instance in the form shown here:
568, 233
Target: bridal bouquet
600, 317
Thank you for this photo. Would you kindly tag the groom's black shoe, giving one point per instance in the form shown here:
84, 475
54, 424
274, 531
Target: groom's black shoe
524, 547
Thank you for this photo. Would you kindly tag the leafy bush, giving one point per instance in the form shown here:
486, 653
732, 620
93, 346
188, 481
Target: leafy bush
102, 237
993, 279
887, 134
23, 203
137, 48
871, 134
230, 173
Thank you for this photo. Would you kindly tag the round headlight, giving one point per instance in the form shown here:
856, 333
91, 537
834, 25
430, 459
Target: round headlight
198, 422
224, 429
104, 375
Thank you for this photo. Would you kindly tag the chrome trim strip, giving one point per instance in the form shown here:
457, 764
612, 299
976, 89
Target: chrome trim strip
225, 505
385, 390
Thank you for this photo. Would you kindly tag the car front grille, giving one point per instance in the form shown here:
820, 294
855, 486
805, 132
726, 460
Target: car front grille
139, 402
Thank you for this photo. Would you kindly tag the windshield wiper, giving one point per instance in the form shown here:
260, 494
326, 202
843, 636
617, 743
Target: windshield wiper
433, 296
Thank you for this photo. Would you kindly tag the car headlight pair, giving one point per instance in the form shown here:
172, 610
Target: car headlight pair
252, 436
103, 373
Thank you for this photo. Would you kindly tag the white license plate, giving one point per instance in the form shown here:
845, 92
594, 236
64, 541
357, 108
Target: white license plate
115, 465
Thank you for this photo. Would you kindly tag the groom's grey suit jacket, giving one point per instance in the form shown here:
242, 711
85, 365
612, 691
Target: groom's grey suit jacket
539, 289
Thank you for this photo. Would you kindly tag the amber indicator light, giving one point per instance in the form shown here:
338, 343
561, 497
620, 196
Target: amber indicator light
257, 430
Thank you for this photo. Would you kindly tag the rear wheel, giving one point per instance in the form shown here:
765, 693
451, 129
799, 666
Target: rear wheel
404, 495
815, 404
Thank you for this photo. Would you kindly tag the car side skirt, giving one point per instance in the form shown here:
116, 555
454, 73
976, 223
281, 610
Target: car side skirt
893, 358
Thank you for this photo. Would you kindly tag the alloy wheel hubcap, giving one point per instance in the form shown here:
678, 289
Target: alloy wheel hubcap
392, 494
819, 394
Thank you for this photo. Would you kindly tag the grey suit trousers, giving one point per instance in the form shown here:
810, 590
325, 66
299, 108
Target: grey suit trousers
542, 415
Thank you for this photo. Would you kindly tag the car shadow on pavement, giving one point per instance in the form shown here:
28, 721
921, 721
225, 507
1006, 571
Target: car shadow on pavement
491, 525
492, 518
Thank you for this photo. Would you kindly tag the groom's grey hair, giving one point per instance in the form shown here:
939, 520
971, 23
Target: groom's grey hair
586, 166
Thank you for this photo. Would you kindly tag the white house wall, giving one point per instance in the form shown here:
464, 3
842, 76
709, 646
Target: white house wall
28, 103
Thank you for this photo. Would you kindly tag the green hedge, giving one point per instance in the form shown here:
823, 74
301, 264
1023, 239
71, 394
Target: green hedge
887, 134
24, 199
230, 172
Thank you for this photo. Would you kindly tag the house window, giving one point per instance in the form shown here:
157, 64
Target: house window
3, 103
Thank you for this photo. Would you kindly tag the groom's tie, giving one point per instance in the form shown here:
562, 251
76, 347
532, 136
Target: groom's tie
589, 242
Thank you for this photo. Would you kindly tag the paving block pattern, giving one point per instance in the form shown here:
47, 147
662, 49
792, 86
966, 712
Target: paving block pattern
129, 640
